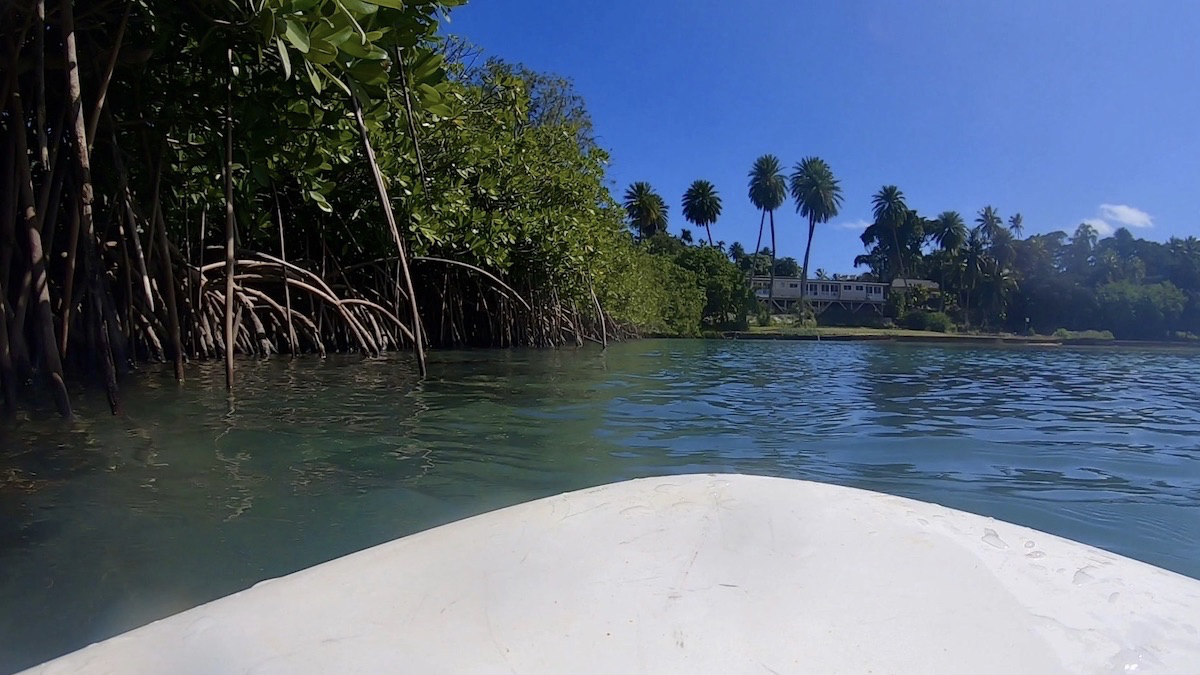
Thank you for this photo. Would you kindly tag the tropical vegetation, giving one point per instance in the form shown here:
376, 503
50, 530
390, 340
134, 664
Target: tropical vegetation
992, 279
191, 180
188, 179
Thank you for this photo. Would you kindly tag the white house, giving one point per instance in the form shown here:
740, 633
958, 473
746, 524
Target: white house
822, 293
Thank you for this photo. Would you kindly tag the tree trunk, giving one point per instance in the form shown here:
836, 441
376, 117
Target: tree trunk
812, 228
39, 46
8, 378
391, 219
762, 221
709, 231
102, 93
899, 256
412, 123
771, 290
967, 307
8, 243
104, 318
287, 293
164, 250
68, 300
130, 216
40, 290
230, 264
83, 167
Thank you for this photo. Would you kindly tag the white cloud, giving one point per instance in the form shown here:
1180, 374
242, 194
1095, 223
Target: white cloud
857, 225
1122, 215
1102, 227
1126, 215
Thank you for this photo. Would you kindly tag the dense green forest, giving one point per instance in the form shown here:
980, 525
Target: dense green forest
995, 278
991, 276
191, 179
186, 179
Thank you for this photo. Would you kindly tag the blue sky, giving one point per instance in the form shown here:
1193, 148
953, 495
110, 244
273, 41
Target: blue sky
1063, 110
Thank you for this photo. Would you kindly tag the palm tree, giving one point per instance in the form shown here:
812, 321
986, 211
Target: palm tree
702, 206
950, 234
737, 251
1016, 225
686, 237
646, 209
976, 265
1003, 248
989, 223
949, 231
890, 213
818, 197
767, 191
1082, 248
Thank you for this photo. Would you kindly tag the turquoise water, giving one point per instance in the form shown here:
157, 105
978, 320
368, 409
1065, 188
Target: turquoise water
111, 523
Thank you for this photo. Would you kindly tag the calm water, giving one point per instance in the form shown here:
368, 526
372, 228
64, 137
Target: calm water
114, 522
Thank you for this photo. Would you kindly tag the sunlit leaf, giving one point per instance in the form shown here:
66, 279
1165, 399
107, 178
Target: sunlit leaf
283, 57
296, 34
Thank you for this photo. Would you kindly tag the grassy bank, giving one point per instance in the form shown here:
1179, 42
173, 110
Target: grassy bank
837, 334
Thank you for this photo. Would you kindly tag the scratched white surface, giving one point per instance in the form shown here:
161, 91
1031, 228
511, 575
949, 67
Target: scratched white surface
691, 574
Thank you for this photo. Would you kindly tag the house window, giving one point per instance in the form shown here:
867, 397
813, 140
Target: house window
812, 288
859, 288
793, 285
847, 288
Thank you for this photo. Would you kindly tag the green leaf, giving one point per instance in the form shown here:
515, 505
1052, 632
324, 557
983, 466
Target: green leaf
407, 38
260, 174
322, 52
427, 66
440, 109
369, 72
428, 94
335, 80
320, 201
313, 77
283, 56
359, 7
334, 31
372, 52
393, 4
267, 25
296, 35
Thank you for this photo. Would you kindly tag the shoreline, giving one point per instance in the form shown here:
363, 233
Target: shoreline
885, 335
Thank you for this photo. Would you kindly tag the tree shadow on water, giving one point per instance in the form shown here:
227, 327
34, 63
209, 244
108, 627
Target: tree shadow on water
34, 465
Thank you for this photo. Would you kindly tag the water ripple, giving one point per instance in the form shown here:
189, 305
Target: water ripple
114, 522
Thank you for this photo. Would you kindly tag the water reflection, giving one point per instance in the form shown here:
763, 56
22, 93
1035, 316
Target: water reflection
114, 522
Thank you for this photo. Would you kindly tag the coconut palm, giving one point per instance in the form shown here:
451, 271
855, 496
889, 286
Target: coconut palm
1082, 248
975, 267
989, 223
767, 191
702, 206
818, 197
1016, 225
737, 251
949, 231
950, 234
890, 213
1002, 248
686, 236
646, 209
